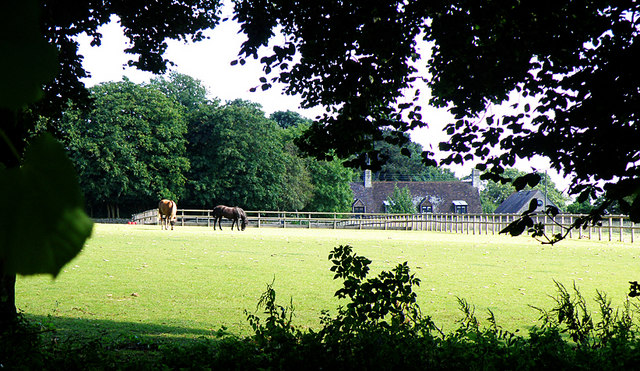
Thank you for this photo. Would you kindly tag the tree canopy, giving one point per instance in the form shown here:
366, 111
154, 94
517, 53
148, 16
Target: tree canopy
143, 142
130, 148
568, 61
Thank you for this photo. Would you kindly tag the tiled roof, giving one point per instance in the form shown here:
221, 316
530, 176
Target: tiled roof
518, 202
440, 195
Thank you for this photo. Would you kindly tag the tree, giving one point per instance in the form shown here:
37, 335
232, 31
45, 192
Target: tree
579, 207
200, 149
494, 193
331, 190
42, 70
401, 201
287, 119
242, 158
185, 90
568, 61
130, 148
585, 207
405, 163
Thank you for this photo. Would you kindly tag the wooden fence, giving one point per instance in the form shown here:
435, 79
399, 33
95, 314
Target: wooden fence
614, 227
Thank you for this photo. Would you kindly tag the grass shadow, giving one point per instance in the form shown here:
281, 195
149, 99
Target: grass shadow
122, 331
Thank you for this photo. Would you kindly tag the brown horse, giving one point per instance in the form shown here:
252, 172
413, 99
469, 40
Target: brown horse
231, 213
167, 211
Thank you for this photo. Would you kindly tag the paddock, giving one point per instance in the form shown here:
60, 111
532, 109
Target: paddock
135, 280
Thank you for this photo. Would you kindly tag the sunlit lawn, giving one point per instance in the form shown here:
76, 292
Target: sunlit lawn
135, 280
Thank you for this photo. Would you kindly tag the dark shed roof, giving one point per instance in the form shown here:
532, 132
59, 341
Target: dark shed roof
438, 194
518, 202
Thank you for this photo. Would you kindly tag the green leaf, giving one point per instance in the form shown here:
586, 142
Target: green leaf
28, 61
47, 226
533, 179
533, 205
519, 183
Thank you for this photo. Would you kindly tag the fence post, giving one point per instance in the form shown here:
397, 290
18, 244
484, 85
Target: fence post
580, 232
467, 219
599, 232
570, 222
182, 221
621, 229
610, 227
473, 223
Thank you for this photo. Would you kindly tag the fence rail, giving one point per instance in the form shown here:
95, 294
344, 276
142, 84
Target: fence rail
613, 227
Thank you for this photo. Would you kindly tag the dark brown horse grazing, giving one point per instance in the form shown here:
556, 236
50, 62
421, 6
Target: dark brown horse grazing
167, 211
231, 213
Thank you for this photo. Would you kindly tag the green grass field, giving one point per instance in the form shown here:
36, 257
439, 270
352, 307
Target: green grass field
133, 280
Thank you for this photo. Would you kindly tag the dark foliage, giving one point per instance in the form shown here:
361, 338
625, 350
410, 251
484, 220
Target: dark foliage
567, 61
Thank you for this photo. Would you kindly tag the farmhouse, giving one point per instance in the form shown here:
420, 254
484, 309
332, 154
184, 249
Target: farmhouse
519, 202
429, 197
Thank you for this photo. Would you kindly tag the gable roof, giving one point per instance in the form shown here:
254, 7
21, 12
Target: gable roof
440, 195
518, 202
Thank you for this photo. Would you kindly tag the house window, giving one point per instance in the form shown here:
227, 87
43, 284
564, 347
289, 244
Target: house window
426, 209
358, 207
459, 207
425, 206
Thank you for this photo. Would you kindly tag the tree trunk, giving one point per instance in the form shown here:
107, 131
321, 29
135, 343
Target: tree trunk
8, 312
11, 149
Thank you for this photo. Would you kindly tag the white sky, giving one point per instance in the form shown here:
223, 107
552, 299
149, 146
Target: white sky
209, 62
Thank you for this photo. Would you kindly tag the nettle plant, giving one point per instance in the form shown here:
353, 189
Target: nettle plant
382, 304
386, 301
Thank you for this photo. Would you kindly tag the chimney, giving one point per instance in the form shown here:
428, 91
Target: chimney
367, 178
475, 178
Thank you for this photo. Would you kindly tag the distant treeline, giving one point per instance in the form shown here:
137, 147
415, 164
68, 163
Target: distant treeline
165, 139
